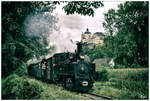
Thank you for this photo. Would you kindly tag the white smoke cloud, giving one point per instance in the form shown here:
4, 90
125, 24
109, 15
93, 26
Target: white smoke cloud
62, 42
38, 25
46, 25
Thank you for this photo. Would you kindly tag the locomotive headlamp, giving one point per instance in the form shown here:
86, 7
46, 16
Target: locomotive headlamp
82, 68
81, 56
70, 56
84, 83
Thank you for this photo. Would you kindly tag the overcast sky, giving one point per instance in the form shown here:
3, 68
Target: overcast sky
74, 25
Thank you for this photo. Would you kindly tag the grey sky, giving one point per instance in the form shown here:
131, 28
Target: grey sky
75, 24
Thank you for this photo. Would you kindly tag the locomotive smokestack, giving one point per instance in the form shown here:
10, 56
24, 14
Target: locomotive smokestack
79, 49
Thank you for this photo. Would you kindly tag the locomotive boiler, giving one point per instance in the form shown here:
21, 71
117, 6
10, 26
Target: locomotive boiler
68, 69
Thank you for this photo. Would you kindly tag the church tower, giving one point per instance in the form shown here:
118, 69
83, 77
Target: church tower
85, 36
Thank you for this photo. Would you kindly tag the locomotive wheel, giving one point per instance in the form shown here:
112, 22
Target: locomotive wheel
69, 83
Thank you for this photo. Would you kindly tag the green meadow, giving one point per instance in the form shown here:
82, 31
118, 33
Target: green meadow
127, 83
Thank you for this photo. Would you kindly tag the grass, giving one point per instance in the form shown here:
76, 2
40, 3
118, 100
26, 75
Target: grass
123, 83
120, 84
54, 92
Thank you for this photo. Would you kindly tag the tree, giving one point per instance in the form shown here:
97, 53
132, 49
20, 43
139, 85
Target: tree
127, 34
93, 53
82, 7
16, 46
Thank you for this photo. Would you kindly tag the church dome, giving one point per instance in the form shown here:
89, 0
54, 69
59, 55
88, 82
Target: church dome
87, 31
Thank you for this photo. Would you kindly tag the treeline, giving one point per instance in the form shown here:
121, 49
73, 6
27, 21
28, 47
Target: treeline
126, 35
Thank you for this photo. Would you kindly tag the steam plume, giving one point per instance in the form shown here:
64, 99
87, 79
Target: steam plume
45, 25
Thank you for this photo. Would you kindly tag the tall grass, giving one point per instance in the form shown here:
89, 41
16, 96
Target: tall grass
124, 83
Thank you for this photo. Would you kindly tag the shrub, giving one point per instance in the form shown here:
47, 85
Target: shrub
15, 87
119, 66
101, 75
135, 65
138, 76
32, 89
12, 87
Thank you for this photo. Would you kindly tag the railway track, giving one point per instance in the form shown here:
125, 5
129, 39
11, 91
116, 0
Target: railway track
96, 97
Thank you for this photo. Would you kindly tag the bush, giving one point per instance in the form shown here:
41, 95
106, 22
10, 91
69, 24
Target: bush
135, 65
119, 66
15, 87
12, 87
101, 75
138, 76
32, 89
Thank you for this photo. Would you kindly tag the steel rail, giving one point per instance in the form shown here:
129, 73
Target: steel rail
96, 97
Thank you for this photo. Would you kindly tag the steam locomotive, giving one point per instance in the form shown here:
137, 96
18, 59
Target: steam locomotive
68, 69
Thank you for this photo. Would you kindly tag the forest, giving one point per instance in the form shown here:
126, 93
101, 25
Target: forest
126, 41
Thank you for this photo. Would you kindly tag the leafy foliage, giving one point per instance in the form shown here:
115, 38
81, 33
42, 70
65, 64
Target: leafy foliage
16, 46
82, 7
93, 53
20, 88
126, 37
101, 75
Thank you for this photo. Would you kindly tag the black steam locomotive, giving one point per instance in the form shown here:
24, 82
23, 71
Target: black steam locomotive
67, 69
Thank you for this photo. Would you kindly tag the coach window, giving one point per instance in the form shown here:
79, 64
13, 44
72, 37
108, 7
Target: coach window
53, 60
39, 65
61, 58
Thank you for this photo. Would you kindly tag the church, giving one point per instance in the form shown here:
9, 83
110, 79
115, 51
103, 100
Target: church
92, 39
